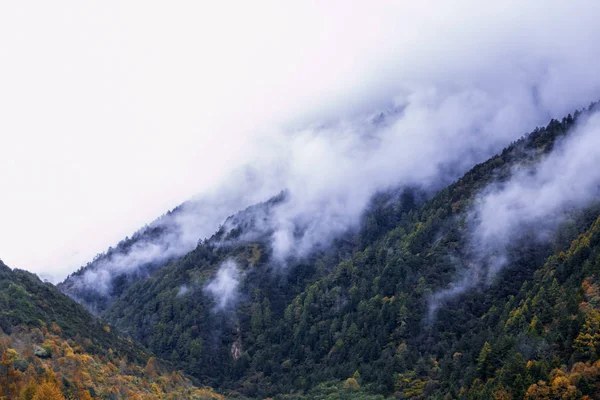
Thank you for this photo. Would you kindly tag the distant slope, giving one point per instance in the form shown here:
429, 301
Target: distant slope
50, 344
169, 237
110, 273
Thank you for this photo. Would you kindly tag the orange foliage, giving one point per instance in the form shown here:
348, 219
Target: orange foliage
48, 391
30, 377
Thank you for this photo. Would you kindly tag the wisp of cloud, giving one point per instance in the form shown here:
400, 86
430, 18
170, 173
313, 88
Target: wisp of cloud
535, 200
223, 288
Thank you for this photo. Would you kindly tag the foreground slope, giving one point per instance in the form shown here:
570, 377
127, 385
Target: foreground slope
51, 346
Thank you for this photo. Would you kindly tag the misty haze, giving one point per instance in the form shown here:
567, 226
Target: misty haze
300, 201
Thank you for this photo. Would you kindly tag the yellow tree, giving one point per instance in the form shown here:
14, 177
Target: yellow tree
48, 391
588, 340
151, 368
351, 384
9, 379
81, 393
85, 395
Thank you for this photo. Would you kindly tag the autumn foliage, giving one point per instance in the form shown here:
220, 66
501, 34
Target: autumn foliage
62, 369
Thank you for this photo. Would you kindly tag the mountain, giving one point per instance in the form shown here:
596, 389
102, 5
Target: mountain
424, 300
52, 348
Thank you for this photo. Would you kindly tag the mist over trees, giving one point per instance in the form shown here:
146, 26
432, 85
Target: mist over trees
355, 317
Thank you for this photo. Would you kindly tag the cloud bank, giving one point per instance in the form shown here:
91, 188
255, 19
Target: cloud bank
134, 108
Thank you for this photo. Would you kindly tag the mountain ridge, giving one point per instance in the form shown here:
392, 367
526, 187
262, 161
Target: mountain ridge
157, 300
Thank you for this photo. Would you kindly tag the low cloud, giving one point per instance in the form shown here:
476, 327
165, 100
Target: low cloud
223, 288
183, 290
415, 103
170, 236
330, 173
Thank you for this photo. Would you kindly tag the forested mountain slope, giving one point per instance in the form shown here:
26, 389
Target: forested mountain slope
359, 316
52, 348
543, 342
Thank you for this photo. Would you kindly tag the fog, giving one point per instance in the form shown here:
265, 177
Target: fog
112, 114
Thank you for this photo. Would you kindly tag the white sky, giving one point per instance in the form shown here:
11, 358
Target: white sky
113, 112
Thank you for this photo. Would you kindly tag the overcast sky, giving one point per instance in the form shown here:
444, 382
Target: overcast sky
111, 113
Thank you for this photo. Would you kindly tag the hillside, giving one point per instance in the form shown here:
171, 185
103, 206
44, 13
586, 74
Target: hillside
52, 348
357, 316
